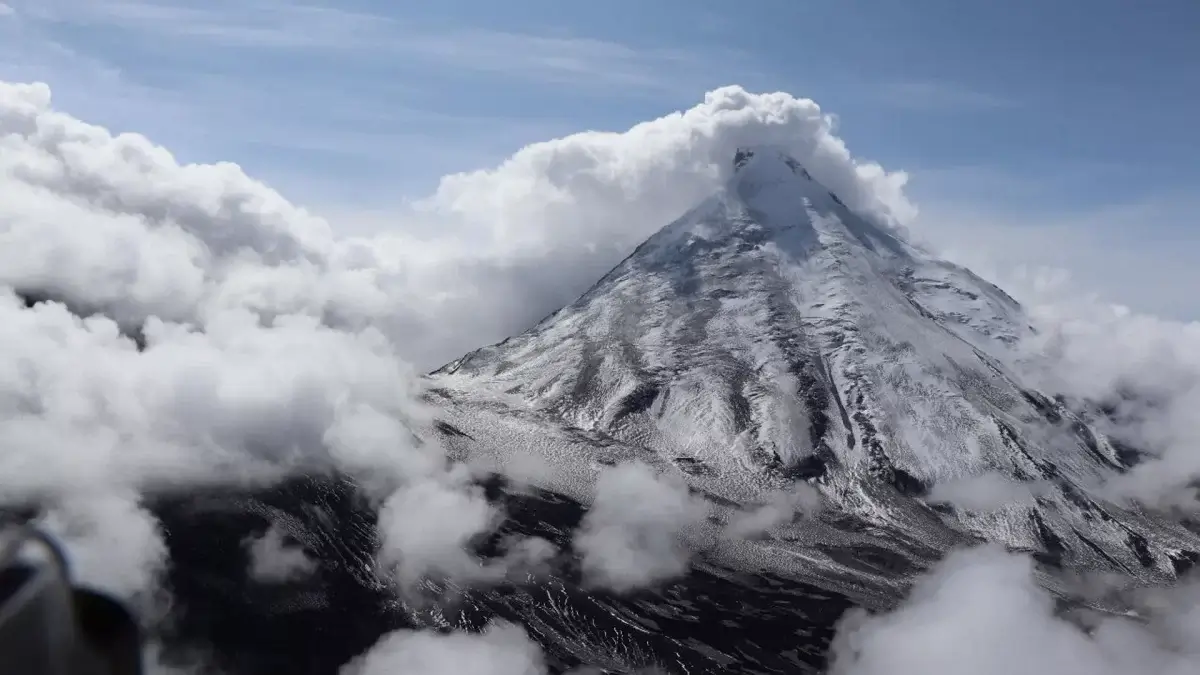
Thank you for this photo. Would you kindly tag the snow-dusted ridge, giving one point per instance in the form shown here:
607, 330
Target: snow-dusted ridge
771, 334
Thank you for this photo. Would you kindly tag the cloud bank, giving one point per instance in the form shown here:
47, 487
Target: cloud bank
195, 331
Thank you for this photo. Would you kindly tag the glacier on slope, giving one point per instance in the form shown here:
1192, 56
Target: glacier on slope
771, 335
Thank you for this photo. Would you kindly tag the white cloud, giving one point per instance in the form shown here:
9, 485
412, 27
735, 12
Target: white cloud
984, 492
1146, 368
257, 380
982, 612
426, 529
932, 96
275, 560
81, 404
781, 508
501, 649
528, 556
6, 10
632, 535
115, 544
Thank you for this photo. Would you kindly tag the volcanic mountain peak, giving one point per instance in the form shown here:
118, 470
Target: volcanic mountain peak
771, 334
766, 160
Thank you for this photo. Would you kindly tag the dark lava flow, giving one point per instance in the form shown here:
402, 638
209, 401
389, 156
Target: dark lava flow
711, 621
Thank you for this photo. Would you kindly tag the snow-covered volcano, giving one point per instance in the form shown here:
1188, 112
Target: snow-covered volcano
770, 335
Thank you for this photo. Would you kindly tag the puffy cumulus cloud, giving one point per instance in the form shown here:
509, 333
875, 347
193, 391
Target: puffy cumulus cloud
585, 189
632, 535
249, 361
982, 612
82, 404
114, 223
781, 508
427, 528
115, 544
501, 649
984, 492
273, 559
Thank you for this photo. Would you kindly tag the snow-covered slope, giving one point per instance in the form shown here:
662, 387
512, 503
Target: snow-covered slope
771, 335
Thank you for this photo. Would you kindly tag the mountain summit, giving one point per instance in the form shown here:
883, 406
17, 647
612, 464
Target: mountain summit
770, 335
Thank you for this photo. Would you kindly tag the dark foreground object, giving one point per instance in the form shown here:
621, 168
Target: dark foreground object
50, 626
711, 621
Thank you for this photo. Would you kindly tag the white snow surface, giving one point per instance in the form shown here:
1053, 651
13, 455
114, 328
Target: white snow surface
772, 335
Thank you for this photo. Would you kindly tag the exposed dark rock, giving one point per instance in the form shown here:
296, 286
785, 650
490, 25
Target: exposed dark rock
449, 429
1141, 549
1183, 561
692, 466
908, 484
637, 401
1052, 544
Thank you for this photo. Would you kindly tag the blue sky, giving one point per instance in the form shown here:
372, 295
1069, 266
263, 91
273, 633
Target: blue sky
1073, 118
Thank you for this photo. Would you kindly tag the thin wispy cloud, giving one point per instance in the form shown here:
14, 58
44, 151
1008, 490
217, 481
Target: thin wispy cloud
1133, 249
330, 102
578, 61
931, 95
562, 60
267, 25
